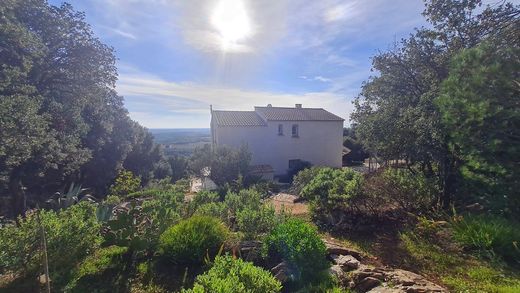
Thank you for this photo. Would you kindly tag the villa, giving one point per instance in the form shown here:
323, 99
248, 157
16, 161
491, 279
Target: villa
280, 137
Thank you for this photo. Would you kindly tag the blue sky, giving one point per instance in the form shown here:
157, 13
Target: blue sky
175, 58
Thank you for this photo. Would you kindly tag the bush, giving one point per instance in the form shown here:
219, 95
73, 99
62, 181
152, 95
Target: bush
489, 235
101, 272
191, 240
125, 183
71, 235
299, 244
303, 178
331, 192
246, 198
235, 275
213, 209
256, 222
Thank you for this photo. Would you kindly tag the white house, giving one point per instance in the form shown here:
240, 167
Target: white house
278, 137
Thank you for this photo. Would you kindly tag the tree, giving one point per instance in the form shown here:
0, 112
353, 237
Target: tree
396, 114
480, 106
61, 118
225, 163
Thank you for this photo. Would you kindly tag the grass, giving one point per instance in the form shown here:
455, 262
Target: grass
436, 255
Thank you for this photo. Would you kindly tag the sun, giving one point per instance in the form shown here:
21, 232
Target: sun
231, 21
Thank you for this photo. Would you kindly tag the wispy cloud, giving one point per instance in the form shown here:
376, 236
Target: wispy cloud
195, 98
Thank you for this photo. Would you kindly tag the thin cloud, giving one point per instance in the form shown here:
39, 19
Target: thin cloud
195, 98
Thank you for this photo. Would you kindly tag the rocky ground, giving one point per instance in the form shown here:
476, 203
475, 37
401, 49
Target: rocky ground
357, 272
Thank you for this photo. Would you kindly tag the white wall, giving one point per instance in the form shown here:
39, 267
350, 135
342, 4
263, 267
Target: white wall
319, 142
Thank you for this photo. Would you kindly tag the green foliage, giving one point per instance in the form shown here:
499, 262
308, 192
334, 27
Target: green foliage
299, 244
102, 271
72, 196
396, 113
213, 209
112, 200
489, 235
331, 191
230, 275
191, 240
458, 271
125, 183
71, 235
399, 189
481, 279
139, 225
246, 198
226, 164
60, 116
303, 178
479, 105
256, 222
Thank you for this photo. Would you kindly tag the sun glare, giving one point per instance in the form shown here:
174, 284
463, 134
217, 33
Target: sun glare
231, 21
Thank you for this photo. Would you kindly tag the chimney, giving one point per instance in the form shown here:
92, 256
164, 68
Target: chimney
269, 105
298, 106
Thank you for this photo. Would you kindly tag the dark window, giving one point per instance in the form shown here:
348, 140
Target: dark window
280, 129
295, 130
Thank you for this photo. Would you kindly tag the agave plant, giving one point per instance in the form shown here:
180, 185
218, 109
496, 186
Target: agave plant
74, 195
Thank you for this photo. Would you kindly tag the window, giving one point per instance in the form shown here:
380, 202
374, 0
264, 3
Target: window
280, 129
295, 130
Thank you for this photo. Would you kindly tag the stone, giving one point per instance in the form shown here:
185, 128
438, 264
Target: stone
347, 262
281, 272
337, 272
334, 248
366, 284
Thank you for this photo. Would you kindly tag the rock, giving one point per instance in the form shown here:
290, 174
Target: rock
334, 248
281, 272
250, 250
367, 283
347, 262
337, 272
385, 289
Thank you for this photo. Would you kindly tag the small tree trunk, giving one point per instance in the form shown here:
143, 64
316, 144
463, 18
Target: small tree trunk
18, 199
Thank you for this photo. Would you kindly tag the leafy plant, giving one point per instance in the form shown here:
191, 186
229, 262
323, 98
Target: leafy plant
491, 235
191, 240
232, 275
102, 271
71, 235
125, 183
256, 222
298, 244
331, 192
72, 196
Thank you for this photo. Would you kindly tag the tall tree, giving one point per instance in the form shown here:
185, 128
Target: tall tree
396, 112
60, 116
480, 105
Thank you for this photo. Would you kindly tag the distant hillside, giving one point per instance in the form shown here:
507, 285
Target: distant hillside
181, 141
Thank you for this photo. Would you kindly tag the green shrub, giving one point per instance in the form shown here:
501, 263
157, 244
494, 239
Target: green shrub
71, 235
213, 209
303, 178
101, 272
246, 198
489, 234
125, 183
231, 275
113, 200
255, 222
331, 193
189, 241
299, 244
